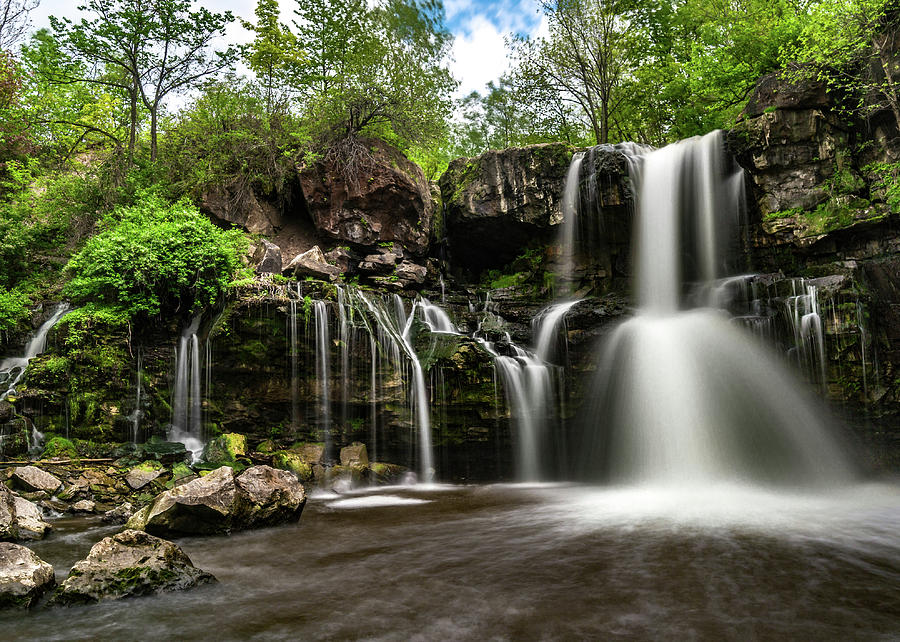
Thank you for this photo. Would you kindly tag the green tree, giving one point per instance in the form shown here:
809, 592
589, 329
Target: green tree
14, 21
274, 55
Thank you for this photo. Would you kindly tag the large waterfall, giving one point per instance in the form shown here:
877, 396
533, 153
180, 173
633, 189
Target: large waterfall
683, 394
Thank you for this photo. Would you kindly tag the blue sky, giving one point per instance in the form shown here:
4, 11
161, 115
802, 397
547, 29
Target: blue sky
479, 26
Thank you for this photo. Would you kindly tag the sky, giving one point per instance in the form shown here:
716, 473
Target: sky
479, 26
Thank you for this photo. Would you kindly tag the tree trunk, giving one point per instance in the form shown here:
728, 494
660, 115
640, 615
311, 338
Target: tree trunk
132, 130
153, 120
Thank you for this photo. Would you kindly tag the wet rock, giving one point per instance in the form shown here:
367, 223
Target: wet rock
33, 479
310, 452
354, 455
287, 460
218, 504
312, 263
24, 577
167, 452
129, 564
389, 198
84, 506
225, 448
276, 497
500, 202
9, 526
410, 275
143, 474
29, 519
118, 515
267, 258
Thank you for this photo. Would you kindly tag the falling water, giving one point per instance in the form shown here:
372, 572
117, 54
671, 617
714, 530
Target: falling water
12, 369
685, 396
187, 418
138, 394
343, 312
323, 368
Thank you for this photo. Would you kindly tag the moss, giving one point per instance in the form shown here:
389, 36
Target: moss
287, 460
59, 447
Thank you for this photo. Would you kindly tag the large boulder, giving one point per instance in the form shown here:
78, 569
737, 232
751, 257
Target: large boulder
312, 263
387, 198
24, 577
32, 479
220, 503
143, 474
225, 448
19, 518
129, 564
9, 525
498, 203
354, 455
237, 205
267, 258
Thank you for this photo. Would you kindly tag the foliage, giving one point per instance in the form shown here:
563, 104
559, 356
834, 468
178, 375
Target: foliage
14, 21
274, 55
885, 183
153, 258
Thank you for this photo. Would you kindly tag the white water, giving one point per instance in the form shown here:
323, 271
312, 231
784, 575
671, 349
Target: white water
12, 369
323, 372
684, 397
187, 418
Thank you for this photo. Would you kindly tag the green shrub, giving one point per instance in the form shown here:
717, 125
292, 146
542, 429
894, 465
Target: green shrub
153, 258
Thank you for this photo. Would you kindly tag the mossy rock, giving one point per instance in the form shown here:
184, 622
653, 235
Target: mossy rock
287, 460
59, 448
266, 447
225, 449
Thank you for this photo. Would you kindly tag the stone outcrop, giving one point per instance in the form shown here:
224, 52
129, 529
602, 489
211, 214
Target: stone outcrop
500, 202
240, 206
129, 564
221, 502
388, 198
267, 258
24, 577
312, 263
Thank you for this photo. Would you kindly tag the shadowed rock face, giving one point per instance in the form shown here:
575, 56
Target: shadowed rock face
129, 564
390, 200
23, 576
501, 202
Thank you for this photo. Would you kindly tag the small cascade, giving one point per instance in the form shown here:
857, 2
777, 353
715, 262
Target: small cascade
435, 317
323, 373
12, 369
546, 329
806, 325
373, 398
344, 311
684, 396
295, 361
137, 413
187, 402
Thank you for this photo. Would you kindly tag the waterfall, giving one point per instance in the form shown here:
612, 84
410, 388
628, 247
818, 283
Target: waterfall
344, 338
323, 372
12, 369
138, 393
295, 365
684, 396
187, 401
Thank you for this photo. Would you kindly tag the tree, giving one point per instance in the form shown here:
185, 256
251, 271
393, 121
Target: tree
852, 45
147, 49
14, 21
274, 55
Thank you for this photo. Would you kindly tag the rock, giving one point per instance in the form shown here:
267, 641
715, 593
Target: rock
778, 91
24, 577
276, 496
287, 460
500, 202
267, 258
238, 205
9, 525
33, 479
205, 506
266, 446
225, 448
312, 263
379, 263
119, 515
354, 455
59, 448
143, 474
84, 506
168, 452
129, 564
219, 503
410, 274
30, 520
310, 452
340, 257
388, 200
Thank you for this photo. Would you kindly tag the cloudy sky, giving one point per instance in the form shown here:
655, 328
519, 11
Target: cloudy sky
479, 26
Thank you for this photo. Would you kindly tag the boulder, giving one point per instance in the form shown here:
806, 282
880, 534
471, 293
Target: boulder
219, 503
33, 479
354, 455
237, 205
84, 506
287, 460
276, 497
168, 452
379, 263
312, 263
340, 257
225, 448
310, 452
119, 515
9, 526
24, 577
143, 474
410, 274
780, 90
129, 564
29, 519
267, 258
497, 204
387, 198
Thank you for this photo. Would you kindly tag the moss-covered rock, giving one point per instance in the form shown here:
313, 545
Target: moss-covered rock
59, 447
225, 449
287, 460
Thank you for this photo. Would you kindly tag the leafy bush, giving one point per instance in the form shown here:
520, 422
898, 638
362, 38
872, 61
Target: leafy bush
14, 307
153, 258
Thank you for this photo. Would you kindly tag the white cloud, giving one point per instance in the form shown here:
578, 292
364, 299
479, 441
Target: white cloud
479, 55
